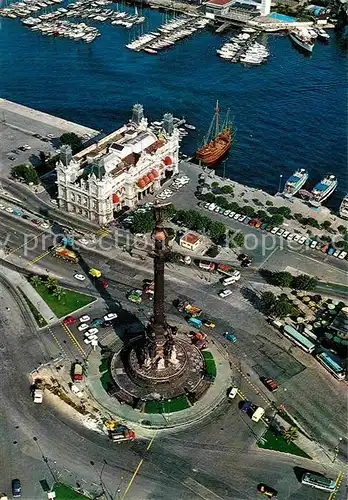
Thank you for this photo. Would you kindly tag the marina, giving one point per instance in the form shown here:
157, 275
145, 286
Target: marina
244, 48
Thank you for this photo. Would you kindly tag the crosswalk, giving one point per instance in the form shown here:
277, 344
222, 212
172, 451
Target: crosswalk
103, 231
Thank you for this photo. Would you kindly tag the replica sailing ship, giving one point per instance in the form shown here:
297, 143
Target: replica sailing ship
218, 141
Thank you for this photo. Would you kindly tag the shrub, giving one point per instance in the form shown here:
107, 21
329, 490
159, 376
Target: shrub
269, 203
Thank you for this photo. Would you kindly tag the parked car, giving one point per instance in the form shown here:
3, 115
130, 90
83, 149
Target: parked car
82, 327
331, 251
286, 234
241, 218
69, 320
16, 488
290, 237
227, 212
91, 331
275, 230
110, 316
258, 224
97, 322
267, 490
230, 336
270, 383
232, 214
236, 216
79, 277
313, 244
264, 226
225, 293
252, 222
246, 406
104, 284
280, 232
233, 393
336, 253
324, 248
84, 319
93, 339
342, 255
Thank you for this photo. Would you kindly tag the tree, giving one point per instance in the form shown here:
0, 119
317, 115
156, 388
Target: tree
27, 173
326, 224
277, 220
262, 214
234, 206
249, 211
222, 202
342, 229
304, 282
343, 245
42, 156
212, 251
143, 223
283, 308
169, 212
310, 221
215, 185
227, 189
269, 203
35, 281
268, 301
282, 279
72, 140
51, 282
209, 198
58, 293
236, 239
217, 230
291, 434
299, 217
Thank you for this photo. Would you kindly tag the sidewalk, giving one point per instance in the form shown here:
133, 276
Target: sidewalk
22, 284
215, 395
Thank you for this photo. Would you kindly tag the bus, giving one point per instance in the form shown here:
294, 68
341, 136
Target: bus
329, 362
318, 481
298, 339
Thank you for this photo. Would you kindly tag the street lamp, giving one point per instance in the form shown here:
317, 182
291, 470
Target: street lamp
337, 449
44, 458
280, 183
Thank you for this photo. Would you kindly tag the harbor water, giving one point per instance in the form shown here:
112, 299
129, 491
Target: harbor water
289, 113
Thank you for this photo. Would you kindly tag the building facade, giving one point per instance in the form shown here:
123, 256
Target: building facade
118, 171
190, 241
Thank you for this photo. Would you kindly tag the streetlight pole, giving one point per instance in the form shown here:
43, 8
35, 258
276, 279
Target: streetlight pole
337, 450
101, 482
45, 459
280, 183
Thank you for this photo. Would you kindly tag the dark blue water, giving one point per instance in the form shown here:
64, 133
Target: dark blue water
289, 112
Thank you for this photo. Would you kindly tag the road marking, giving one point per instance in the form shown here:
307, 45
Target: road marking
338, 485
269, 403
137, 469
57, 342
39, 257
73, 339
104, 231
23, 245
200, 490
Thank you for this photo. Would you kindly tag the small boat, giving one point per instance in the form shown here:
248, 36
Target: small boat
190, 127
295, 183
302, 38
150, 51
322, 35
323, 190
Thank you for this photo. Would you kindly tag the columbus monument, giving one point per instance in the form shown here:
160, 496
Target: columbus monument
161, 363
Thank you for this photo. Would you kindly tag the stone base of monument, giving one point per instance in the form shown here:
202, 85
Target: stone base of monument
182, 374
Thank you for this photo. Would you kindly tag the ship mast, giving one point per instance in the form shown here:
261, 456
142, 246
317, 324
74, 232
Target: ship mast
214, 126
216, 119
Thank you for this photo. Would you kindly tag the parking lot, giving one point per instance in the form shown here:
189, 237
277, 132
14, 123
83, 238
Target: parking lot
25, 132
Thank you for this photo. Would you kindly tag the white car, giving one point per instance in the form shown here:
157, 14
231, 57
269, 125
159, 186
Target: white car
206, 205
233, 393
185, 178
313, 244
26, 146
275, 230
83, 241
232, 214
91, 331
54, 202
217, 209
79, 277
290, 237
286, 234
84, 319
342, 255
44, 225
280, 232
9, 210
225, 293
242, 218
336, 254
50, 136
302, 239
110, 316
90, 339
82, 327
2, 207
236, 216
296, 237
227, 212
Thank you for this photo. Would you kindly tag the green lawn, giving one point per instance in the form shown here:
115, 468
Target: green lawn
40, 320
167, 406
65, 493
272, 442
69, 302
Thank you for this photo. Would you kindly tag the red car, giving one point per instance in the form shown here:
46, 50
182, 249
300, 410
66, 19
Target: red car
252, 222
104, 284
69, 320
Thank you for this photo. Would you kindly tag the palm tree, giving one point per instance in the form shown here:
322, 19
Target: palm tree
291, 434
58, 292
35, 281
51, 282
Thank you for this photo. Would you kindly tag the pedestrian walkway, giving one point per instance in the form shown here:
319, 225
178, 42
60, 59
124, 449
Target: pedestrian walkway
21, 283
214, 396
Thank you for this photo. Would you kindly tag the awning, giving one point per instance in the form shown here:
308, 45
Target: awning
115, 198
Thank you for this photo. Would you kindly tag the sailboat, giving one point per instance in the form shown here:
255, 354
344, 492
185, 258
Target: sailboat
218, 140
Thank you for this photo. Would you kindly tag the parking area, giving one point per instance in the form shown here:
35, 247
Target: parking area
25, 132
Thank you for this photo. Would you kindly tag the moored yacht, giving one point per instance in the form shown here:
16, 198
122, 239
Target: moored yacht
302, 38
323, 190
295, 182
344, 208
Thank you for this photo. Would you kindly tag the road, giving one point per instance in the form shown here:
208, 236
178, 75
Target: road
185, 458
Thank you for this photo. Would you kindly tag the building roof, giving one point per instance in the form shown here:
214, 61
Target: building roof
190, 238
156, 145
94, 168
219, 2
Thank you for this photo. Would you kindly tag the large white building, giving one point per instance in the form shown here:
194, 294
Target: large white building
119, 170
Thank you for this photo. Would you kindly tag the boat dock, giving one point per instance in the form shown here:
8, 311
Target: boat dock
168, 34
223, 27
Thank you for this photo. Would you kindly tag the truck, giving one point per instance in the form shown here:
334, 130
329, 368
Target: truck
228, 271
77, 374
63, 253
195, 322
190, 309
37, 390
121, 433
258, 414
206, 265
